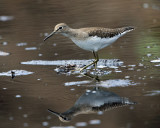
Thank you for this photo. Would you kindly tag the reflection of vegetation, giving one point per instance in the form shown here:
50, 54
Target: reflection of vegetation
148, 44
148, 48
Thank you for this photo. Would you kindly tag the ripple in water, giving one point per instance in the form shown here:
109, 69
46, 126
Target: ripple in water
116, 83
21, 44
153, 93
6, 18
4, 53
17, 73
76, 83
81, 124
155, 61
106, 84
18, 96
31, 48
101, 62
63, 127
45, 123
94, 122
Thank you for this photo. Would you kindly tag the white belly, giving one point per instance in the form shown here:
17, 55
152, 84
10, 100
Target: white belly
94, 43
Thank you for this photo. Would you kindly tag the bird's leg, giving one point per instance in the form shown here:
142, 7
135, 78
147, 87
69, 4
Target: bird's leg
96, 59
87, 66
94, 62
95, 65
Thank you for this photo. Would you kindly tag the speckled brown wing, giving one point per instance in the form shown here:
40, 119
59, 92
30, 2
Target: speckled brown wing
108, 33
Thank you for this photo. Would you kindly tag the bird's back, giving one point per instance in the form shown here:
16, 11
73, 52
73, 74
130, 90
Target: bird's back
106, 32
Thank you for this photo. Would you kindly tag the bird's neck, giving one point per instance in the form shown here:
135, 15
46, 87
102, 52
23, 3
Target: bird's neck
70, 33
75, 34
76, 110
72, 111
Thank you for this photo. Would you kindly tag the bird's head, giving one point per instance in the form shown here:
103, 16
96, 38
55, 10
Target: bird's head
59, 28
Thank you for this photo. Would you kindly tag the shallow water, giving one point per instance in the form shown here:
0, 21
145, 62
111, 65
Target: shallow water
24, 100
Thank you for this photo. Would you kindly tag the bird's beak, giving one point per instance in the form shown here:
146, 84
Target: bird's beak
55, 113
49, 35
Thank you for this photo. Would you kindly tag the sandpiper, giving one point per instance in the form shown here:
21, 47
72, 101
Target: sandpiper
91, 38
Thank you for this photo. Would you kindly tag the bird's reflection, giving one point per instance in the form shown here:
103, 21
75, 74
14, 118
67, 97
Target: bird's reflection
93, 101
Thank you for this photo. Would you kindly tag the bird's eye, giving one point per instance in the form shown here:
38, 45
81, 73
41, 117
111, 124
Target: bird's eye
60, 27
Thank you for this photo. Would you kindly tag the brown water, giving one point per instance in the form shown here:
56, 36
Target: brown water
25, 99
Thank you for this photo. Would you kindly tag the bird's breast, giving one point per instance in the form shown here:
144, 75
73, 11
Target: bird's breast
93, 43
